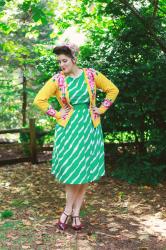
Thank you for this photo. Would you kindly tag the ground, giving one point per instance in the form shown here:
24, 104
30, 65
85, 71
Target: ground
116, 215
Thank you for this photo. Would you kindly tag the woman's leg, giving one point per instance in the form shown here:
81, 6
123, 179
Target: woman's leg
71, 194
78, 203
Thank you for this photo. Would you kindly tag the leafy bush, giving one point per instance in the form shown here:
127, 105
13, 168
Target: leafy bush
140, 169
25, 139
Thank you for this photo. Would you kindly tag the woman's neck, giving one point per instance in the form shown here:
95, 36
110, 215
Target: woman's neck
76, 71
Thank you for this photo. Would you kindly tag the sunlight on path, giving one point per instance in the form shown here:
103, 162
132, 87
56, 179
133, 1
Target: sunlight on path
153, 225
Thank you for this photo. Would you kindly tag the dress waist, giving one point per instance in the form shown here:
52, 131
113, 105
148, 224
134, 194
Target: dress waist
80, 105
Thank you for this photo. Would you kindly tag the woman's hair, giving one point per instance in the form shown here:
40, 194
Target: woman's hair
67, 48
58, 50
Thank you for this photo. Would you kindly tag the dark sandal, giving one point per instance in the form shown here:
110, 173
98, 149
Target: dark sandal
63, 225
77, 227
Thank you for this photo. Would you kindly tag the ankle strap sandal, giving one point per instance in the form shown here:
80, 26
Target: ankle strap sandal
63, 225
77, 227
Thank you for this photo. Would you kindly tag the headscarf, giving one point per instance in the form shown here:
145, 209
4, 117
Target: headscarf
73, 47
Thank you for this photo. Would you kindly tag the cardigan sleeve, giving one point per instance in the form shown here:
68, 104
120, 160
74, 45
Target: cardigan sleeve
106, 85
41, 99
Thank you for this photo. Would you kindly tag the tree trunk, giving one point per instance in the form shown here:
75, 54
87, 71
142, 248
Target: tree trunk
24, 102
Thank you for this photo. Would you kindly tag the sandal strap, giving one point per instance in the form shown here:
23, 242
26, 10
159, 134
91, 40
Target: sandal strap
67, 215
74, 217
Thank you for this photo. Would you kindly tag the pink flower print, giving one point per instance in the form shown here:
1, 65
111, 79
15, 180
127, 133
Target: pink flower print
93, 71
91, 78
55, 77
64, 117
51, 111
96, 115
107, 103
63, 90
64, 99
61, 81
93, 95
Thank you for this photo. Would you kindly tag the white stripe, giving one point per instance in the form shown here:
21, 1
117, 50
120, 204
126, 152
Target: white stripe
88, 157
92, 171
85, 175
94, 158
71, 163
82, 96
86, 118
98, 163
87, 137
75, 86
57, 137
102, 165
53, 170
57, 146
77, 92
99, 171
71, 147
74, 170
63, 129
68, 140
66, 136
71, 82
87, 128
85, 167
71, 154
95, 148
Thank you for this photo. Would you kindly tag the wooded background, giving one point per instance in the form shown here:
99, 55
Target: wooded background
125, 40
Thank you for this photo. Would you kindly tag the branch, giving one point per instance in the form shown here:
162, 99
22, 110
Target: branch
160, 42
155, 3
152, 1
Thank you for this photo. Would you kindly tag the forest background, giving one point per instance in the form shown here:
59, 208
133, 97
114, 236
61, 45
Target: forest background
125, 40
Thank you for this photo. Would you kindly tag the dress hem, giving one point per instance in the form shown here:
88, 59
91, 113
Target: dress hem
81, 182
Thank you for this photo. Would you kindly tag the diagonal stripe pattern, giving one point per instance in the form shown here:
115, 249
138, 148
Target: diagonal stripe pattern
78, 152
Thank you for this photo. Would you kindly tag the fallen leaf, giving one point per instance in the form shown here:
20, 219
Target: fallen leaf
26, 222
38, 242
26, 247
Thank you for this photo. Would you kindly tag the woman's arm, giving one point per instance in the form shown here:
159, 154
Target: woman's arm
41, 99
109, 88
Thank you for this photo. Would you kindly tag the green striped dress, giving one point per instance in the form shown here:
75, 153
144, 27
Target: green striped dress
78, 152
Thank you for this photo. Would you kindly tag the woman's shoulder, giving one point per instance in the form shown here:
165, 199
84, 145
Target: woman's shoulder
53, 80
56, 76
92, 70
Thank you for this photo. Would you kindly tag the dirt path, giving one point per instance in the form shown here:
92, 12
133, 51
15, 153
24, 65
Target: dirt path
117, 216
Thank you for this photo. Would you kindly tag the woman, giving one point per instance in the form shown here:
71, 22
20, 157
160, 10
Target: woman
78, 153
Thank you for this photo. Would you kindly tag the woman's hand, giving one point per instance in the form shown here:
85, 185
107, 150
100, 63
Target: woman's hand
96, 110
64, 111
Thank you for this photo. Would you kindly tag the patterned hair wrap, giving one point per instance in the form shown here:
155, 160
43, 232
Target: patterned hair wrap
73, 47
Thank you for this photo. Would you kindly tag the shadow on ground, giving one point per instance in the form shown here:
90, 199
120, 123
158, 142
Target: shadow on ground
116, 215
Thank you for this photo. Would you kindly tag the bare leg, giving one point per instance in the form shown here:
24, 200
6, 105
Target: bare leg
71, 194
78, 202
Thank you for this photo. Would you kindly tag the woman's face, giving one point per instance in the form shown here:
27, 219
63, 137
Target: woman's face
66, 63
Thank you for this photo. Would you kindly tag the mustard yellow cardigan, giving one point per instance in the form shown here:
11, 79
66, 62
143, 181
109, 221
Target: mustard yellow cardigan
54, 87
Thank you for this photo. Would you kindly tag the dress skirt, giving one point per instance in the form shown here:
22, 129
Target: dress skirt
78, 152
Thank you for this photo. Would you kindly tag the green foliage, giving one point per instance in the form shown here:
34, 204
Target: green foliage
24, 138
130, 57
19, 203
127, 49
6, 214
140, 169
